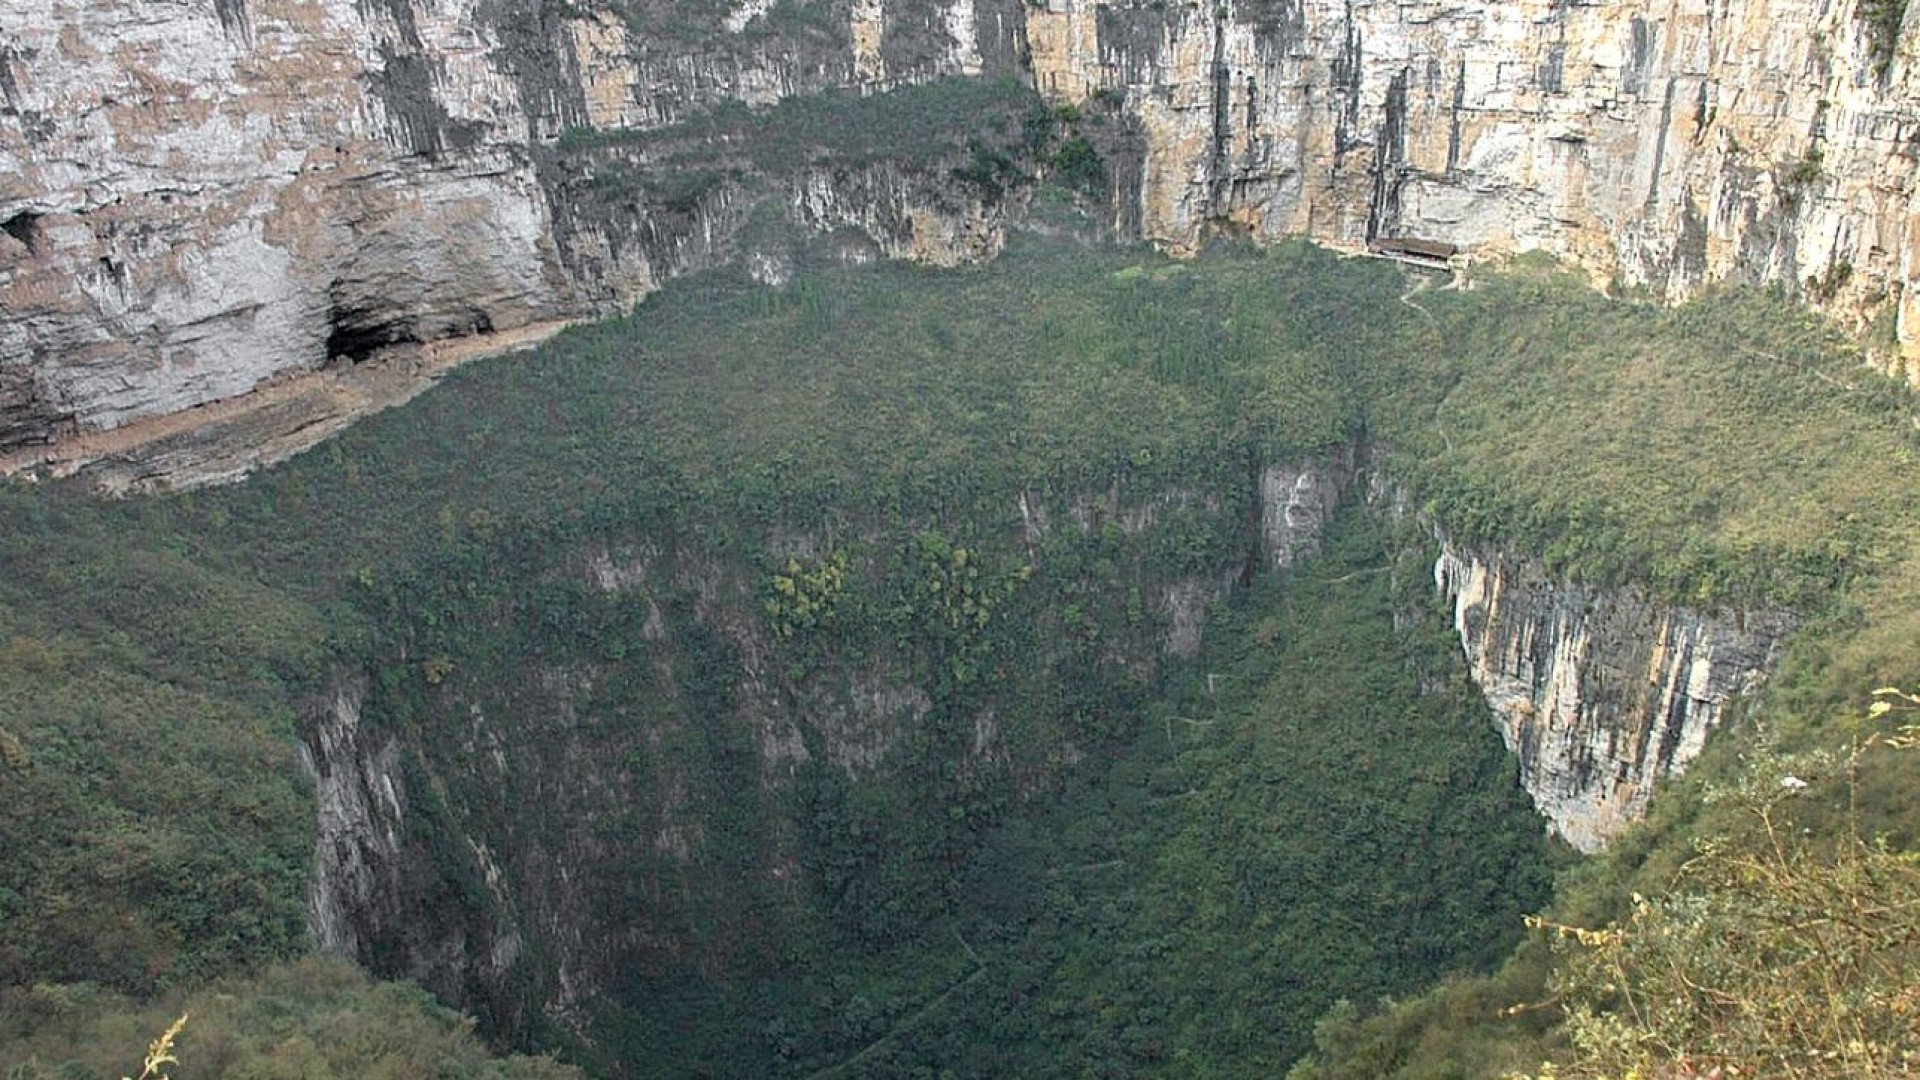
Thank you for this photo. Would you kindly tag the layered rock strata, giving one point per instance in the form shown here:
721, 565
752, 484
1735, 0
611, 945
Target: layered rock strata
198, 197
1663, 145
1600, 693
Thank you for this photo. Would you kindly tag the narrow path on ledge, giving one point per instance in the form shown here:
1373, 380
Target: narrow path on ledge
222, 441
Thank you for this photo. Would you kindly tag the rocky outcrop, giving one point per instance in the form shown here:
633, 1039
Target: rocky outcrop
199, 198
1663, 145
361, 801
1296, 500
1600, 693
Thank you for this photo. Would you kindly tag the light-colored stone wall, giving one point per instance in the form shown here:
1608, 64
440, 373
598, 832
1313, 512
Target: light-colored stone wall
1601, 693
1663, 145
201, 197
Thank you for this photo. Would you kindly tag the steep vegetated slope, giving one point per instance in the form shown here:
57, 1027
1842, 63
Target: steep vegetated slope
886, 672
1728, 449
1729, 452
1337, 822
712, 653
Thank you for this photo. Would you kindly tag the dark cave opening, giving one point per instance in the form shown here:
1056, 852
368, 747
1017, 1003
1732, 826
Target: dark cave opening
25, 227
355, 332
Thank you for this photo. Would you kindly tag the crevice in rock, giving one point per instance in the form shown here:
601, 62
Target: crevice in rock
1348, 71
25, 227
400, 12
356, 331
25, 417
1453, 119
9, 85
234, 19
406, 82
1218, 169
1389, 158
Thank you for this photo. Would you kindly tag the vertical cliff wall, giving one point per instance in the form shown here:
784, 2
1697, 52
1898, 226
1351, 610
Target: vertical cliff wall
1599, 692
199, 197
1663, 144
202, 196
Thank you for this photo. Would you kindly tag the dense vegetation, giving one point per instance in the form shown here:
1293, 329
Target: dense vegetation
1730, 451
992, 142
901, 415
1162, 872
834, 127
314, 1019
1320, 810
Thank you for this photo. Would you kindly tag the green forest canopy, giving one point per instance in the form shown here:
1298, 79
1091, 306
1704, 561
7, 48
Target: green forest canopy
152, 652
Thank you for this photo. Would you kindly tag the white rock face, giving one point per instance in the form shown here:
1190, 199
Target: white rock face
1296, 501
1664, 145
199, 197
360, 823
1600, 693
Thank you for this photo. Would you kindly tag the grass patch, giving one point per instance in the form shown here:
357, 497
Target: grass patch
1731, 451
318, 1018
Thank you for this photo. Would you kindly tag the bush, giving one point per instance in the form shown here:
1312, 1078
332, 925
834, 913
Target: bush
1782, 949
314, 1019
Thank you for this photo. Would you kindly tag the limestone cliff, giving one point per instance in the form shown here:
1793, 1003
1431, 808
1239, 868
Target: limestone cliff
1663, 145
197, 198
1600, 693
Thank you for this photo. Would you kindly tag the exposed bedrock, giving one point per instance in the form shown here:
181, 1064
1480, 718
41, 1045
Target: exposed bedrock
1600, 693
196, 198
199, 197
1663, 145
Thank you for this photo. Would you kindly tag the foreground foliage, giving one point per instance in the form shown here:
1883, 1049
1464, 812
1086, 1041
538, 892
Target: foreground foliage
314, 1019
1778, 952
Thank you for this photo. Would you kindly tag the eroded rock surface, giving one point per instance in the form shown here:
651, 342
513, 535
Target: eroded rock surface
199, 197
1661, 145
1600, 693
